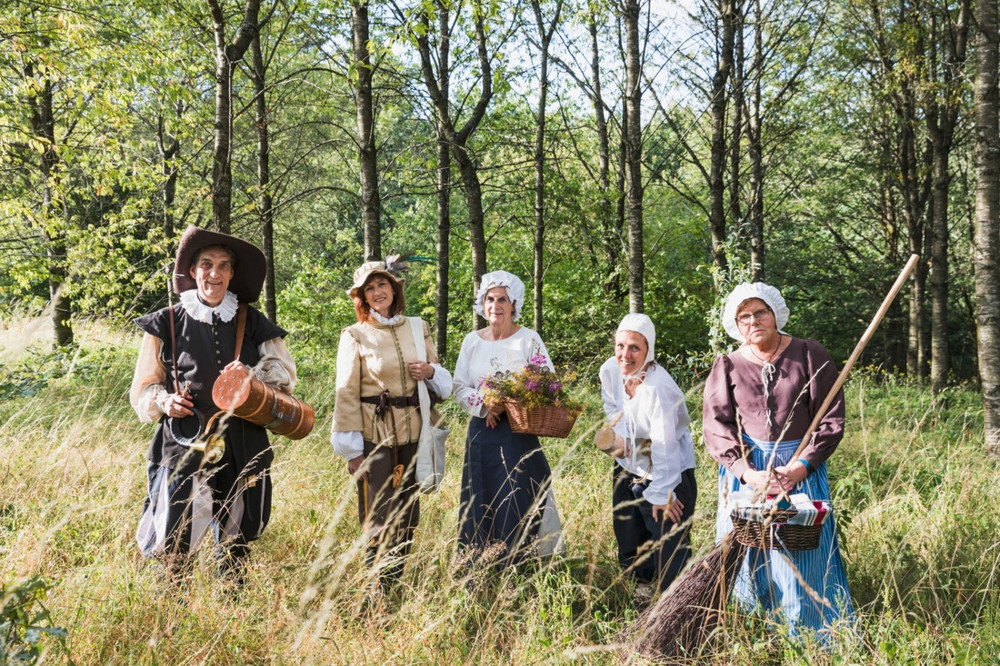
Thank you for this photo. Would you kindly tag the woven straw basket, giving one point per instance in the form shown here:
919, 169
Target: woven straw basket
775, 532
548, 421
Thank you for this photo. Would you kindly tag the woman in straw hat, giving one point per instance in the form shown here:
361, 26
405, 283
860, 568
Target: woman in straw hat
376, 418
759, 401
507, 510
184, 349
654, 488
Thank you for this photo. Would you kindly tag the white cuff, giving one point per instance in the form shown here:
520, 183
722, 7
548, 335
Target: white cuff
349, 445
440, 384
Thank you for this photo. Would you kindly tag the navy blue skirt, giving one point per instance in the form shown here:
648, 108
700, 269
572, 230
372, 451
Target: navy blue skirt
505, 479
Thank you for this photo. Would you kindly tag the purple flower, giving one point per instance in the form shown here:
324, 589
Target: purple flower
554, 387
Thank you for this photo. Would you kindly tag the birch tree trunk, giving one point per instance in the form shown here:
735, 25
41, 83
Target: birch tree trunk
987, 229
633, 162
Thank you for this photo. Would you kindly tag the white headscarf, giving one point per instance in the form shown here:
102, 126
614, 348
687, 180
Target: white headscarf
643, 325
510, 282
744, 292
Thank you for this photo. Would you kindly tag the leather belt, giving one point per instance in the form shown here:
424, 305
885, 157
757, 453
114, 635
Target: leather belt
384, 400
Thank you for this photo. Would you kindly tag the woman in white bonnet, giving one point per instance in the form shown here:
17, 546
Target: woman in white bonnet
654, 488
760, 399
507, 510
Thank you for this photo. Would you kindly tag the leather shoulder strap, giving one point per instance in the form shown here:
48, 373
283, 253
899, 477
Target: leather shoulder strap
241, 327
173, 348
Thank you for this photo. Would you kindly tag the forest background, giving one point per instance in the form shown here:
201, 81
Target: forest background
617, 155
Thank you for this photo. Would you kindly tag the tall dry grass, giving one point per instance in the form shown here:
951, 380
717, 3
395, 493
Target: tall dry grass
915, 497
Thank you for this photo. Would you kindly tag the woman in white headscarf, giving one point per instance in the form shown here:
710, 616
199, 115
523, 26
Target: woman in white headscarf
506, 494
759, 401
654, 488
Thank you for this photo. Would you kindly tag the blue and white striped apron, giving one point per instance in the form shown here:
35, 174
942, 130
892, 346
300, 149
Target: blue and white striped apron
769, 577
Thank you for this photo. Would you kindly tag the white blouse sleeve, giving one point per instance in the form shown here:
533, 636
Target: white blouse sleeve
440, 384
149, 381
665, 451
276, 367
350, 445
613, 395
466, 387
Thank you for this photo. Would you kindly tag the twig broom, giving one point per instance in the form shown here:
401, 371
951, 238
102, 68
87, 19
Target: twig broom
689, 611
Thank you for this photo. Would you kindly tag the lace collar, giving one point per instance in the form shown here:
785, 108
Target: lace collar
203, 313
391, 321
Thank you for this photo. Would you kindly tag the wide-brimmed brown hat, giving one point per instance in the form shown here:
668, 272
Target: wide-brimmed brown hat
393, 267
251, 266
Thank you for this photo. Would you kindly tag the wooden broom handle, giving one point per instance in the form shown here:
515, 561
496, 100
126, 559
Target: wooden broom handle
862, 343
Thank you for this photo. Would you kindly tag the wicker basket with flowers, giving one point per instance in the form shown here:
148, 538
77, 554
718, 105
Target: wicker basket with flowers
535, 398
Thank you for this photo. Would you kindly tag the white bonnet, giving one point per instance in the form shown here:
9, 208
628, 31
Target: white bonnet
746, 291
643, 325
510, 282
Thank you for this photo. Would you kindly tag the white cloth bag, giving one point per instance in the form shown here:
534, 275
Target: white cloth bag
431, 447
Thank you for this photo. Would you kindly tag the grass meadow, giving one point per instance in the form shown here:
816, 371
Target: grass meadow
916, 498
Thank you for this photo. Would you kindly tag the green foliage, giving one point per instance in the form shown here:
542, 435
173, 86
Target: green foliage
25, 622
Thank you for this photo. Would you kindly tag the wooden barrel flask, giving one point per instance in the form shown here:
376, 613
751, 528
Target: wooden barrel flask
240, 392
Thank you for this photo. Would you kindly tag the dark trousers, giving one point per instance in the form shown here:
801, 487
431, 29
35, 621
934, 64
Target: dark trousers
652, 551
390, 514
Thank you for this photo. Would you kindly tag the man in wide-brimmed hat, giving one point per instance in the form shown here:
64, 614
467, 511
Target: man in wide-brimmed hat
184, 349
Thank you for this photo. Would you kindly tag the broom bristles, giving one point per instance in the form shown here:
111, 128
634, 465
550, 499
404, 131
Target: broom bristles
689, 611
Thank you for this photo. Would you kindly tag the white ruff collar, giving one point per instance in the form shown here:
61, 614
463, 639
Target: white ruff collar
203, 313
391, 321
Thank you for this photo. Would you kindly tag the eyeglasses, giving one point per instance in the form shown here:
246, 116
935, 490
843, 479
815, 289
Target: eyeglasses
747, 317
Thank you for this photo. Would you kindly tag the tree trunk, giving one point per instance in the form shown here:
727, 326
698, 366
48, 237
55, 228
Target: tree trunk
987, 229
43, 126
169, 148
458, 139
443, 236
226, 56
756, 153
443, 189
610, 229
939, 271
941, 111
633, 162
538, 270
719, 102
371, 202
265, 204
739, 117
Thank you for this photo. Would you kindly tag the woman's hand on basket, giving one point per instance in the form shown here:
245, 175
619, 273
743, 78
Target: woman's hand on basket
354, 464
493, 415
420, 370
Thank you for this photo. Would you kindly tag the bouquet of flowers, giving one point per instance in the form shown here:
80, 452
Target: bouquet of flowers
535, 398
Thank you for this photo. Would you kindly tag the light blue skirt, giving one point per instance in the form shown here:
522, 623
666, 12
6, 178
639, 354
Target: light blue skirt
769, 578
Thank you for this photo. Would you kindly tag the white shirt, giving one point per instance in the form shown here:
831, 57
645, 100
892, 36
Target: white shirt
480, 358
657, 412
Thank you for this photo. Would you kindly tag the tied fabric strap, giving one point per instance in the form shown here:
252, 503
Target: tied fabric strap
766, 375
